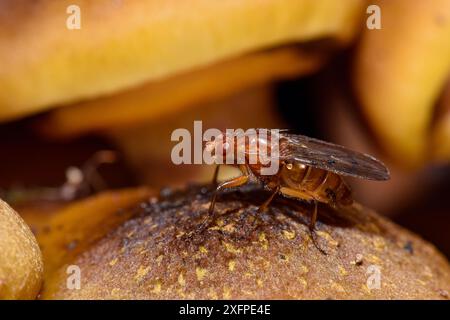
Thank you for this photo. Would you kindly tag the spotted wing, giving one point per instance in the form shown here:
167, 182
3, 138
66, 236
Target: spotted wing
330, 157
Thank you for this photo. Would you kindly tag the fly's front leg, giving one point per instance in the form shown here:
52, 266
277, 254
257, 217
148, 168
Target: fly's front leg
236, 182
216, 175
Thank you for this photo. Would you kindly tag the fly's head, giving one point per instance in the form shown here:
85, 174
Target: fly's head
226, 148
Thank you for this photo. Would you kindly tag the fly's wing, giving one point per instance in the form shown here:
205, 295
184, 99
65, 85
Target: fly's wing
331, 157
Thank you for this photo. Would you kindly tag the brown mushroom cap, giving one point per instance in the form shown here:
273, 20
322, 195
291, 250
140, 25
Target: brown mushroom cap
21, 268
161, 254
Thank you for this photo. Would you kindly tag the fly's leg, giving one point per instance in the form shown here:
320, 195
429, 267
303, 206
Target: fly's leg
236, 182
312, 223
216, 175
312, 230
266, 203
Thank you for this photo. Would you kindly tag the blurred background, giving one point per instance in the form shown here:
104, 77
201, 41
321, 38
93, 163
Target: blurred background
372, 78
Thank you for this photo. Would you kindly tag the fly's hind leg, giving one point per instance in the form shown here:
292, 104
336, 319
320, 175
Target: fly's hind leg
312, 222
304, 195
312, 228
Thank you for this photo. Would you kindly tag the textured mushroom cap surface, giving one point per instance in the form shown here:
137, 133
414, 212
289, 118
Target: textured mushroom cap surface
161, 253
21, 268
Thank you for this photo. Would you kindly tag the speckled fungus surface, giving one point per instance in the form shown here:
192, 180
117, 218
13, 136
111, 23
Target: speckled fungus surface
160, 253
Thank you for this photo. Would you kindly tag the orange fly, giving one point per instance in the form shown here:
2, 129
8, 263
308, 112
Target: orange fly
309, 169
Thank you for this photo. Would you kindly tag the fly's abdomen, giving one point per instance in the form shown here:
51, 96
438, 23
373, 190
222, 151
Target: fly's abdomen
322, 185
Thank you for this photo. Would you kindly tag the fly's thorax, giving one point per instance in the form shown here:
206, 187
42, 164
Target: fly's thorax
258, 150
